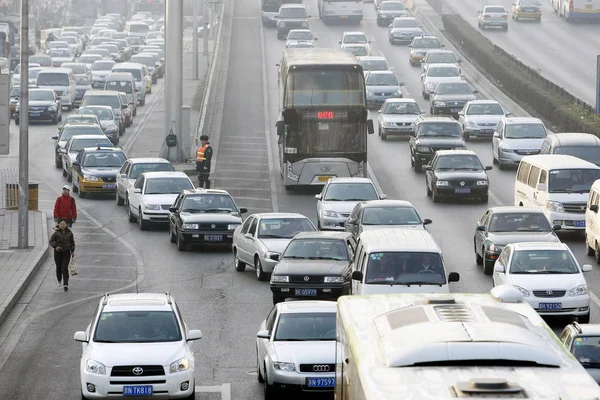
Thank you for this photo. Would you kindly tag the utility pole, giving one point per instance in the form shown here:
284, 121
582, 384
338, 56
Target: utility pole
205, 30
174, 73
23, 238
195, 40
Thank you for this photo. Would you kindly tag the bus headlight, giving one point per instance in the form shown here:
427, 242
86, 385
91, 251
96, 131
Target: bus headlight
290, 172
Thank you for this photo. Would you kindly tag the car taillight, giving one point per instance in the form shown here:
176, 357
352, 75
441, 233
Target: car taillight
486, 17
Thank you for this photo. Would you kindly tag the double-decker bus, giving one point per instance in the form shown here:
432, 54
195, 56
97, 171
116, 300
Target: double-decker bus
323, 121
341, 10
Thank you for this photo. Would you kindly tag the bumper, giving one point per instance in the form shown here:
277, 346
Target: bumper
573, 306
155, 216
98, 83
324, 290
475, 192
267, 264
333, 223
423, 158
524, 14
494, 23
205, 237
97, 187
480, 132
295, 382
397, 131
567, 221
357, 17
401, 39
453, 110
511, 158
377, 101
41, 116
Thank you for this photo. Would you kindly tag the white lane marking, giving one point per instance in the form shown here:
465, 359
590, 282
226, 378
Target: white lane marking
97, 279
105, 266
594, 298
237, 178
107, 254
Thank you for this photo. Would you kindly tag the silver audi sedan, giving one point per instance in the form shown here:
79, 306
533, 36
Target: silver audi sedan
262, 238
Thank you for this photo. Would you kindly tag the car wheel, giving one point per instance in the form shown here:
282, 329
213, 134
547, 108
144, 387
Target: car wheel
142, 224
80, 192
435, 197
75, 189
260, 274
478, 258
238, 264
269, 389
484, 199
131, 218
466, 136
172, 237
584, 319
418, 165
58, 163
16, 121
259, 375
181, 244
597, 254
142, 102
69, 108
488, 266
69, 177
428, 190
54, 120
119, 199
590, 249
494, 159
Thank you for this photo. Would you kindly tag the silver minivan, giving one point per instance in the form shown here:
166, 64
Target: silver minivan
582, 145
62, 81
139, 76
123, 82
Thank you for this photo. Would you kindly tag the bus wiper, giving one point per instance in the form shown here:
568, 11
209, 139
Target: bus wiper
295, 257
333, 200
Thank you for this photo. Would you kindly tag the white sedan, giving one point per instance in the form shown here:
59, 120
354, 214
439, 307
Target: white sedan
548, 276
132, 169
295, 348
296, 36
153, 194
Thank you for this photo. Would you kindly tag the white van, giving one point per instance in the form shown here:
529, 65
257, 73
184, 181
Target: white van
396, 260
140, 77
62, 81
137, 28
592, 222
559, 185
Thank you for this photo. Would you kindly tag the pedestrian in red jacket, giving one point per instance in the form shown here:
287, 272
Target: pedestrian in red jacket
65, 207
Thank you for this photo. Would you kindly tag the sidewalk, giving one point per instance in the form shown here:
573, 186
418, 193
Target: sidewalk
17, 267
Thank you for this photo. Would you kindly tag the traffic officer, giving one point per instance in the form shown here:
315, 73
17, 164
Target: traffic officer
203, 160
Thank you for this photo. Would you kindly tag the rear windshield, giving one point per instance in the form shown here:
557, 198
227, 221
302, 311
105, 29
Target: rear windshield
587, 153
103, 66
43, 61
147, 61
70, 131
137, 73
271, 7
120, 86
139, 169
295, 12
53, 79
76, 68
100, 100
139, 28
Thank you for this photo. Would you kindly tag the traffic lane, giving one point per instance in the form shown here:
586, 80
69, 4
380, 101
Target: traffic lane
559, 50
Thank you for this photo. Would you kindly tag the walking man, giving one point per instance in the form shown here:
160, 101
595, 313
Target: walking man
203, 160
63, 243
65, 207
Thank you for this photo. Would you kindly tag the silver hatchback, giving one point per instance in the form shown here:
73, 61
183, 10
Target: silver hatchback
516, 138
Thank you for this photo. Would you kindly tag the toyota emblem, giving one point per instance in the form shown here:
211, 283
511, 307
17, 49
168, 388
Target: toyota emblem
137, 371
325, 168
321, 368
549, 292
213, 226
462, 183
306, 278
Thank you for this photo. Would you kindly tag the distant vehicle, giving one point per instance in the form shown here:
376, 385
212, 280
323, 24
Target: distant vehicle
480, 118
388, 10
340, 10
397, 117
132, 169
526, 9
576, 10
404, 30
492, 16
381, 86
515, 138
297, 36
582, 340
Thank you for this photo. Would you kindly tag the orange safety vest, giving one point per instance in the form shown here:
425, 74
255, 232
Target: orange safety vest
200, 153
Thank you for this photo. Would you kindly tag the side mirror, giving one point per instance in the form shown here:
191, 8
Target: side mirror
541, 187
488, 168
137, 190
423, 61
340, 42
459, 61
316, 38
508, 113
318, 196
357, 276
427, 221
499, 268
243, 210
280, 128
248, 236
55, 137
401, 84
351, 221
172, 209
497, 134
124, 106
460, 113
586, 268
80, 336
481, 228
475, 91
75, 163
370, 127
263, 335
453, 277
383, 196
428, 168
593, 208
442, 46
194, 334
556, 227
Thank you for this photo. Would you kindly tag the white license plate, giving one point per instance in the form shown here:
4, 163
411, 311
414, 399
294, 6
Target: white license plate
111, 186
213, 238
137, 390
404, 129
550, 306
306, 292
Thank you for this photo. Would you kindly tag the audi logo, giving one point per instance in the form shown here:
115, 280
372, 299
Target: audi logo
306, 278
321, 368
137, 371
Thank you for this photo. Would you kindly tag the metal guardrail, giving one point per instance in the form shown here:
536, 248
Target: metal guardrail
8, 177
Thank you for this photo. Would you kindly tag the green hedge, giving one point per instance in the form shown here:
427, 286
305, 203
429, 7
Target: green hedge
525, 85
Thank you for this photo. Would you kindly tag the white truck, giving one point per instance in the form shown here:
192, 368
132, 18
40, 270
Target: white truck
448, 346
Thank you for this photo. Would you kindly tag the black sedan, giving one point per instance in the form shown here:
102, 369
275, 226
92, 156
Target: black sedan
314, 265
457, 174
43, 106
203, 216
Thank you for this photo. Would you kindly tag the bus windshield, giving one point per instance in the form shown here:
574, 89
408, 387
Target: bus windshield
325, 88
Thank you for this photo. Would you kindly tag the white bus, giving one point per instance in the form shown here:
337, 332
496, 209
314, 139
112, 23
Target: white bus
448, 346
341, 10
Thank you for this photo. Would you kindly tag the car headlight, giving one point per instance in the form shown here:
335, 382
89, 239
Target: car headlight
90, 178
232, 227
482, 183
390, 124
152, 206
305, 24
52, 108
439, 103
183, 364
524, 292
334, 279
191, 226
284, 366
579, 291
505, 150
471, 124
329, 213
442, 183
495, 248
555, 206
95, 367
423, 149
272, 255
280, 279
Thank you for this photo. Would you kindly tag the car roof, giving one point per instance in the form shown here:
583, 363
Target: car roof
483, 102
350, 180
38, 89
583, 329
155, 301
436, 118
73, 138
399, 239
279, 215
77, 125
148, 160
165, 174
444, 65
385, 72
354, 33
384, 203
341, 235
120, 75
400, 100
456, 152
307, 306
205, 191
524, 246
440, 51
101, 93
128, 65
56, 70
81, 115
522, 120
375, 58
300, 30
514, 209
568, 138
426, 37
95, 106
346, 45
100, 149
292, 6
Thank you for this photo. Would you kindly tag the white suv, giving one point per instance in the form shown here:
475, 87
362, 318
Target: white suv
137, 345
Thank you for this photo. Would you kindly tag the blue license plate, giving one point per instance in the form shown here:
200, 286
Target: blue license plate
213, 238
111, 186
306, 292
320, 382
550, 306
137, 390
34, 114
404, 129
462, 190
580, 224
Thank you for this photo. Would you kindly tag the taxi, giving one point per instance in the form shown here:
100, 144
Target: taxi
526, 9
95, 170
420, 46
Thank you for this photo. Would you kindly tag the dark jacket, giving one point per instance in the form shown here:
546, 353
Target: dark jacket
204, 166
63, 239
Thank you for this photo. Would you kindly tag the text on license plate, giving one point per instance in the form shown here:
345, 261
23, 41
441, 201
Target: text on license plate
343, 16
550, 306
462, 190
109, 186
324, 178
213, 238
405, 129
320, 382
580, 223
137, 390
306, 292
487, 130
34, 114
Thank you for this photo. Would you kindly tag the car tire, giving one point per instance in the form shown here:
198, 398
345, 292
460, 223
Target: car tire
269, 389
69, 108
58, 163
590, 249
428, 190
505, 28
75, 190
120, 201
488, 267
383, 136
69, 177
597, 254
83, 397
494, 158
130, 217
260, 274
80, 192
425, 95
478, 258
259, 376
238, 264
515, 18
484, 199
172, 236
181, 244
435, 197
142, 224
466, 136
418, 166
584, 319
143, 102
16, 121
192, 395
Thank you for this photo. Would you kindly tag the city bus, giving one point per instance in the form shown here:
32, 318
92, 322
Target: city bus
341, 10
323, 122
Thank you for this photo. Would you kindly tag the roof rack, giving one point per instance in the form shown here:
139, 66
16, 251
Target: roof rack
169, 299
105, 299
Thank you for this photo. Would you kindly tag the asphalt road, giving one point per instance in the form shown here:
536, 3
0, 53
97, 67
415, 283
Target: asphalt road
561, 51
40, 360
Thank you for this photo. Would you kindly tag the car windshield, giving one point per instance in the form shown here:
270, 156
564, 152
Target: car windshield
543, 262
360, 38
283, 228
112, 159
40, 95
572, 180
374, 65
138, 169
79, 144
453, 88
426, 43
404, 268
381, 80
485, 109
300, 35
350, 192
103, 114
33, 73
47, 78
168, 185
443, 72
90, 58
139, 28
81, 119
298, 327
392, 6
402, 108
43, 61
137, 73
76, 68
441, 58
135, 41
440, 129
519, 222
293, 12
390, 215
317, 249
120, 86
500, 10
405, 23
358, 51
459, 162
82, 81
59, 53
137, 327
100, 100
586, 350
103, 65
208, 203
146, 60
587, 153
525, 131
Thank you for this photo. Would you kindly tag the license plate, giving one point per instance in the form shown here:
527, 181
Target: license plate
109, 186
487, 131
550, 306
213, 238
137, 390
306, 292
462, 190
381, 98
324, 178
580, 223
320, 382
455, 110
343, 16
34, 114
405, 129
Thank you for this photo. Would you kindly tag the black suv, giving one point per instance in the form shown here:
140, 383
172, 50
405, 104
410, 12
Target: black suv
449, 98
433, 134
291, 16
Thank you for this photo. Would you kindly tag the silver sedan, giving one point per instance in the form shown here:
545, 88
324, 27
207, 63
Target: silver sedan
397, 117
480, 118
262, 238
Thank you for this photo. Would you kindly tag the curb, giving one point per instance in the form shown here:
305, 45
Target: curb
23, 283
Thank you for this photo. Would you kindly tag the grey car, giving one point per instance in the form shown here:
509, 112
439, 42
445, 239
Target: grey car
436, 74
439, 57
388, 10
397, 117
479, 118
382, 85
492, 16
374, 63
515, 138
291, 16
404, 30
450, 97
500, 226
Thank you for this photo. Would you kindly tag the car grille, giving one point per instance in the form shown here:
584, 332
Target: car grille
317, 367
488, 124
214, 226
345, 215
527, 152
293, 24
301, 279
37, 109
549, 293
109, 179
147, 370
403, 123
455, 103
467, 183
578, 208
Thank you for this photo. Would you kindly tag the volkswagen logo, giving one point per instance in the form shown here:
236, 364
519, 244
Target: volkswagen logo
462, 183
306, 278
549, 292
137, 371
213, 226
325, 168
321, 368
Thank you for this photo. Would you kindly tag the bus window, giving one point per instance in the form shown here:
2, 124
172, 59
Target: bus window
314, 88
